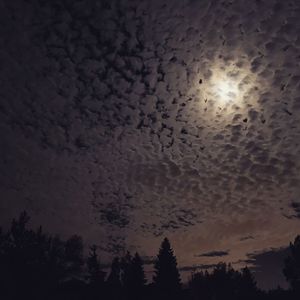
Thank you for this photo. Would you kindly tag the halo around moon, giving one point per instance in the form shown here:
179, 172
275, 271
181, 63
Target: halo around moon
229, 86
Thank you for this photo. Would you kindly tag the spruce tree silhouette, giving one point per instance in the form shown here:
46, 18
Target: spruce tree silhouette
138, 274
126, 271
26, 260
95, 276
133, 276
199, 286
74, 255
247, 285
56, 265
292, 266
33, 264
223, 282
167, 279
126, 274
114, 280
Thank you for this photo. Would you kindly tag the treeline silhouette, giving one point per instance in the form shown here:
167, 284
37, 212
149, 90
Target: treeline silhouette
36, 265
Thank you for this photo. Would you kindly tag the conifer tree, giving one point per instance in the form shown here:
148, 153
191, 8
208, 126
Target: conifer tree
138, 271
292, 266
166, 278
95, 274
133, 276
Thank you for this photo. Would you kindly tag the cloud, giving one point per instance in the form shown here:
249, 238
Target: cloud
245, 238
267, 266
296, 207
214, 254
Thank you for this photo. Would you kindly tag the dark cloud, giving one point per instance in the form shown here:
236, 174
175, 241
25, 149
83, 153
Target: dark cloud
245, 238
296, 207
267, 266
214, 254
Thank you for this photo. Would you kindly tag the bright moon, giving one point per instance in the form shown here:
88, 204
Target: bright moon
226, 89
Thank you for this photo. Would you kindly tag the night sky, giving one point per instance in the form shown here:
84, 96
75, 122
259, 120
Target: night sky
129, 121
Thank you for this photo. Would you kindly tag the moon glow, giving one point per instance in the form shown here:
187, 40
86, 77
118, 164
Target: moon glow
230, 87
225, 90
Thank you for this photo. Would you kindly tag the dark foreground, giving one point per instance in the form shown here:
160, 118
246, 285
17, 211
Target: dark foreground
36, 265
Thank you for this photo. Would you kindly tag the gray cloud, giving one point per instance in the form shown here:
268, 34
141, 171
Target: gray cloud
296, 208
213, 254
267, 266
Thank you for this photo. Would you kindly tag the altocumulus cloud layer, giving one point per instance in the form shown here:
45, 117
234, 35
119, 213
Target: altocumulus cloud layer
111, 125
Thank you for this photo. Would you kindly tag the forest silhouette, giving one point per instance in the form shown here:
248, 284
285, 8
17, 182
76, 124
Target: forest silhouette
37, 265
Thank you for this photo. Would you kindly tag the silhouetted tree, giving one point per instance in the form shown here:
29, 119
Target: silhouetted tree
276, 294
133, 276
4, 275
125, 266
223, 283
33, 263
56, 265
292, 266
74, 255
138, 273
95, 275
167, 279
114, 279
247, 284
199, 285
24, 257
